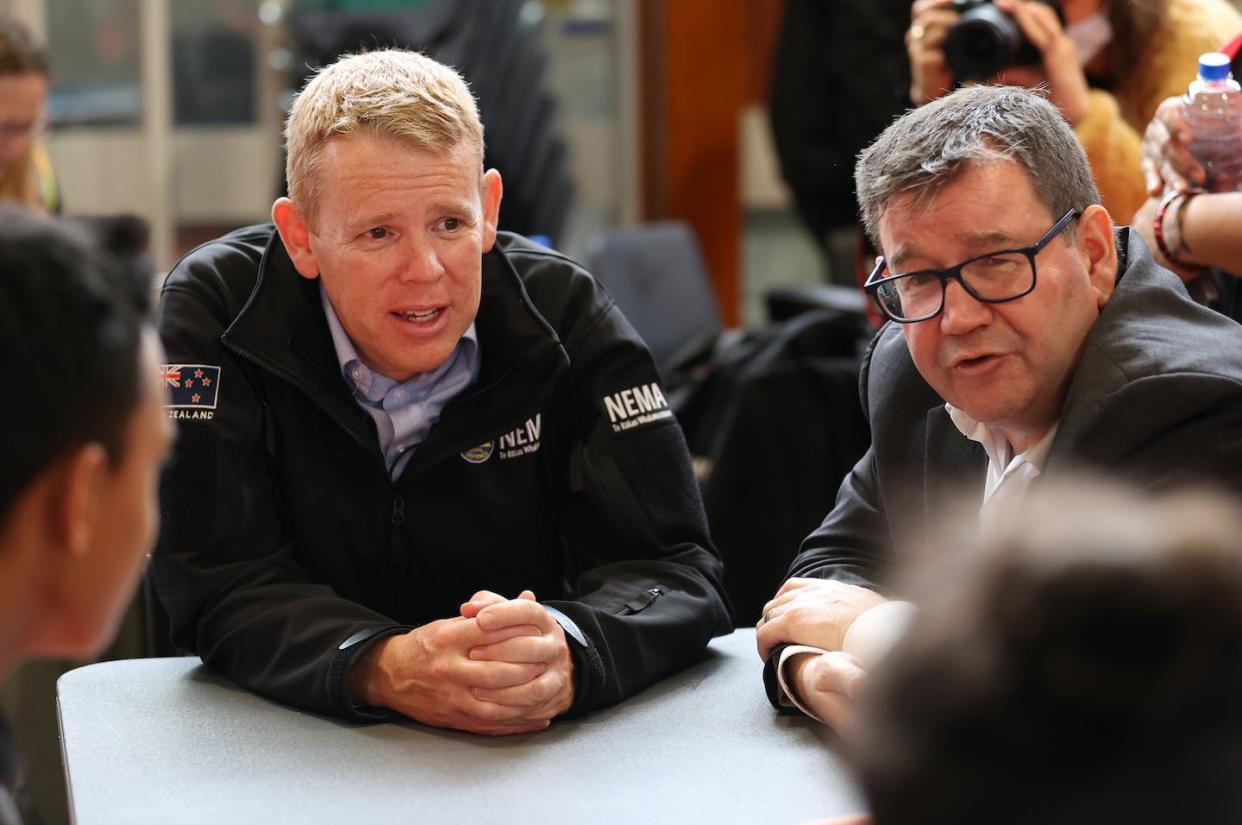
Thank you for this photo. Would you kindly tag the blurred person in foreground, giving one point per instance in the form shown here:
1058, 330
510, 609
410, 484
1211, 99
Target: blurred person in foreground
398, 426
85, 435
1029, 337
1106, 64
1077, 661
26, 176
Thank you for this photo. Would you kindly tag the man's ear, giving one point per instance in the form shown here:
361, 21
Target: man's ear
295, 233
78, 501
493, 190
1099, 246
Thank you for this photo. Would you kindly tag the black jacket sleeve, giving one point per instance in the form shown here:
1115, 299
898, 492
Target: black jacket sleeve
851, 543
646, 583
225, 557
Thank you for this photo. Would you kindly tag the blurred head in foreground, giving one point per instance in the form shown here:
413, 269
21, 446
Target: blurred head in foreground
84, 437
1077, 662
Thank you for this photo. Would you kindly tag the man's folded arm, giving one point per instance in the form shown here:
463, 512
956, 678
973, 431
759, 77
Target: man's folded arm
225, 567
646, 583
850, 546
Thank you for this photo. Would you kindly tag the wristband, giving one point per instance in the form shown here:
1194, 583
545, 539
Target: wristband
1180, 223
1157, 226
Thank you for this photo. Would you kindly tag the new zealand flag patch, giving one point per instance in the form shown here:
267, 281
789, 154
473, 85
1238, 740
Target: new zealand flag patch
191, 386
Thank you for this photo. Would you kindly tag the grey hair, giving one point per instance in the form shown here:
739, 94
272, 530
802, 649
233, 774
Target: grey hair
929, 147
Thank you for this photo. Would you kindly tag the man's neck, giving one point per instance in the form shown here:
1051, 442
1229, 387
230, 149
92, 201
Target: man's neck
1022, 439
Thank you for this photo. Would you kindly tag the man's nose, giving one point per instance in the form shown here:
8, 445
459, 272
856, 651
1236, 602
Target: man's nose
421, 263
962, 311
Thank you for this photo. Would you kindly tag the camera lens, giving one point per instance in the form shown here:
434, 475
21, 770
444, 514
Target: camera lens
982, 42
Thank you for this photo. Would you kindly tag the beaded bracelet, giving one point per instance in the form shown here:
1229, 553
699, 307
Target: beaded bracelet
1180, 223
1157, 225
1157, 228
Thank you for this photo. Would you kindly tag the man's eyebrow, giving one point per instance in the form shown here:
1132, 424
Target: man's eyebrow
454, 207
982, 240
986, 238
355, 226
898, 255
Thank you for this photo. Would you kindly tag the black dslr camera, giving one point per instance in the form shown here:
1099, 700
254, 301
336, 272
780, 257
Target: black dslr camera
985, 40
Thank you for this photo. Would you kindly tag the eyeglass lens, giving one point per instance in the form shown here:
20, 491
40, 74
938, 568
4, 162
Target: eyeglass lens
994, 278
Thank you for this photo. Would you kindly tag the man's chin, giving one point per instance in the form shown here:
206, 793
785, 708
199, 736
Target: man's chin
406, 365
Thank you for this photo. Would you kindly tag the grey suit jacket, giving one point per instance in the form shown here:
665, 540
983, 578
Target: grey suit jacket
1156, 399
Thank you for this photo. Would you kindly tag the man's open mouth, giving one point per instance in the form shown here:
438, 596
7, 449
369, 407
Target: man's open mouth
417, 316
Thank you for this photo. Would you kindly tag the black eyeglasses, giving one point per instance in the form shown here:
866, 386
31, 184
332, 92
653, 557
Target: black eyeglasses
995, 278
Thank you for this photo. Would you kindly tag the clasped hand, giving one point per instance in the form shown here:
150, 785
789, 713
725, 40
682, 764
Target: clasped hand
818, 613
501, 667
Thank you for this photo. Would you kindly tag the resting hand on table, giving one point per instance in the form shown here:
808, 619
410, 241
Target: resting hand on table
1167, 162
815, 612
853, 628
549, 694
501, 667
826, 684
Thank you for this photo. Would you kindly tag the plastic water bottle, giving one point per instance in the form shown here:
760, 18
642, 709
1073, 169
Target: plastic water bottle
1213, 109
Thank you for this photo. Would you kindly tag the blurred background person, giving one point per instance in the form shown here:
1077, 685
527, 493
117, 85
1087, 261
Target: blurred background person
1198, 231
1106, 65
26, 175
1076, 662
78, 469
839, 76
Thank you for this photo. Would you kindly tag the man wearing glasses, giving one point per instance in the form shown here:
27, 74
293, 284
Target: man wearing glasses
1029, 337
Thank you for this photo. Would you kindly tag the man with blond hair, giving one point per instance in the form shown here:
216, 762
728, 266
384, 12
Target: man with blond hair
424, 467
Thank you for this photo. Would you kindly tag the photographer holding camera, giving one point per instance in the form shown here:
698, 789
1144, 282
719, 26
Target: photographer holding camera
1106, 65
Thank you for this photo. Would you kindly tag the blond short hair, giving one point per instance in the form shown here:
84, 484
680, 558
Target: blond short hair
393, 92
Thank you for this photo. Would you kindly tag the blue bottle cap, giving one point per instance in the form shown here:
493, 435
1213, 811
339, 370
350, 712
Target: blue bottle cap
1213, 66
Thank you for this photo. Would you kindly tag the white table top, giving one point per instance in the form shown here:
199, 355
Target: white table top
169, 740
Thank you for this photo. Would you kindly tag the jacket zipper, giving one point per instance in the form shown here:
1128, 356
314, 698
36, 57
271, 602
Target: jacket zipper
642, 601
398, 518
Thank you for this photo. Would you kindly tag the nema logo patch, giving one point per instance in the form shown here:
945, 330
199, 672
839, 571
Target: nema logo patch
636, 406
516, 443
479, 454
522, 441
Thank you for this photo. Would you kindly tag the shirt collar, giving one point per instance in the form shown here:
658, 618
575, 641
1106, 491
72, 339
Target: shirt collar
373, 385
1008, 475
997, 447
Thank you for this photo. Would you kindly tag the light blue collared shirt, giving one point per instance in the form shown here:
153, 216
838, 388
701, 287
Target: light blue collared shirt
403, 413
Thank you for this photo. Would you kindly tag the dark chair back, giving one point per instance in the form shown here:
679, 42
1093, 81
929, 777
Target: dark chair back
657, 277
